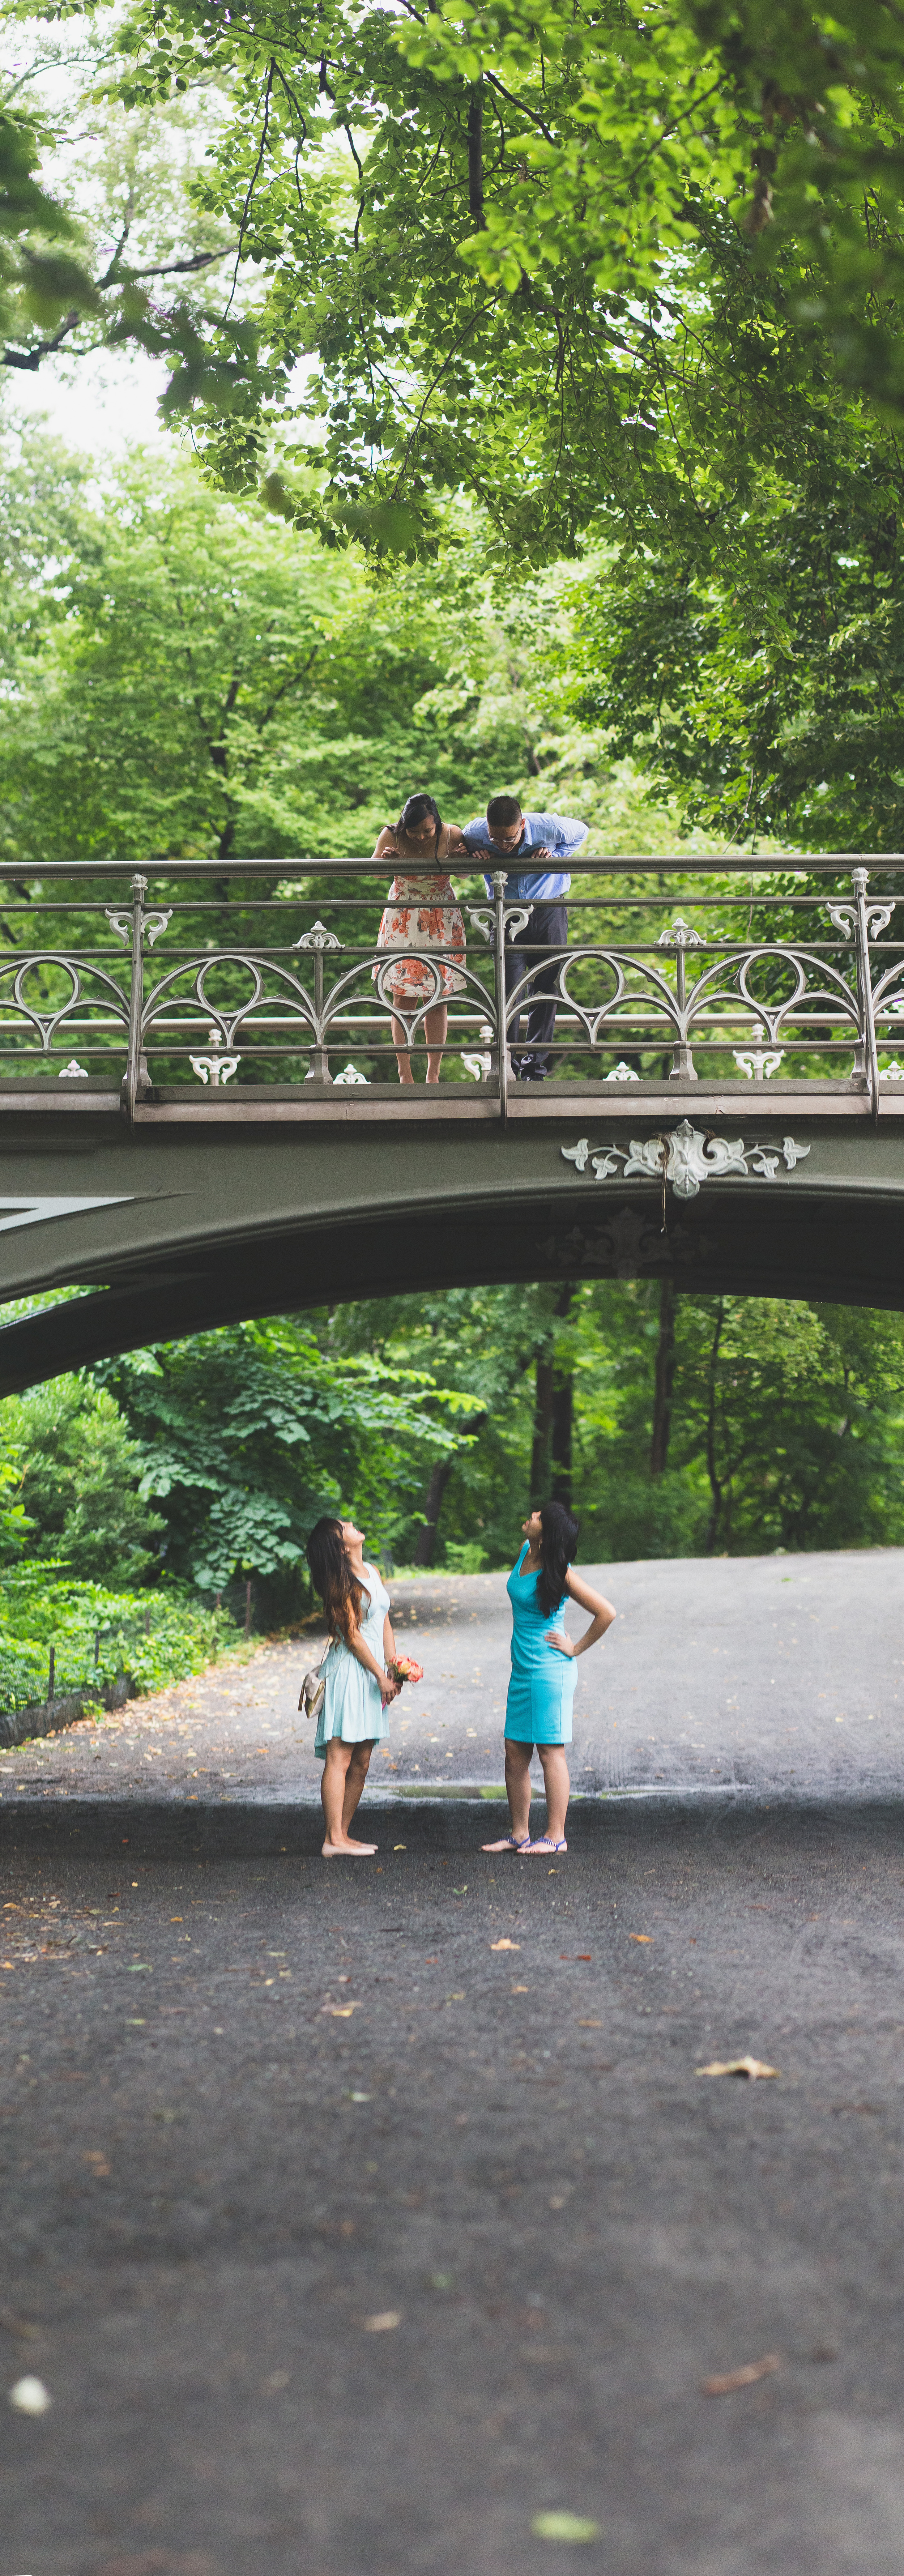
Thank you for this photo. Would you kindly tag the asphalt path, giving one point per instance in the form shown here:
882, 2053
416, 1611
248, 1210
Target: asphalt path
370, 2218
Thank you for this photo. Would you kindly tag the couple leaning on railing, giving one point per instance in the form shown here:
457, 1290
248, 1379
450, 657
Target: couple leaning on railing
422, 915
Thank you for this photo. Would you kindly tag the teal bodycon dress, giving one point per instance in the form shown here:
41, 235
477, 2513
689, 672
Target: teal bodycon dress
541, 1691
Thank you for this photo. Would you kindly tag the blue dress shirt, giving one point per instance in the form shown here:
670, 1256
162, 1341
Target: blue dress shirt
559, 833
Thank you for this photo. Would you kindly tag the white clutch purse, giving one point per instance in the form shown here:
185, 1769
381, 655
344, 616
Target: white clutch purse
312, 1691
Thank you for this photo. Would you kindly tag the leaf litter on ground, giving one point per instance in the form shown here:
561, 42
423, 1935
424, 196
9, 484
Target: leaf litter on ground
751, 2066
726, 2381
564, 2526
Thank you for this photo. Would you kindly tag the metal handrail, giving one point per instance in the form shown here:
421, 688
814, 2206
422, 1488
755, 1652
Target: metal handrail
681, 991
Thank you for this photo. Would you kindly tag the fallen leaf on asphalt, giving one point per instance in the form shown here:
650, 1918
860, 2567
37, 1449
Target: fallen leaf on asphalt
459, 1891
640, 1936
520, 1990
726, 2381
340, 2012
30, 2397
583, 1954
400, 1846
590, 2025
382, 2324
505, 1945
563, 2526
751, 2066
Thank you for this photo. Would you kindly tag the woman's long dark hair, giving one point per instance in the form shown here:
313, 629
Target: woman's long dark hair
340, 1590
415, 811
559, 1532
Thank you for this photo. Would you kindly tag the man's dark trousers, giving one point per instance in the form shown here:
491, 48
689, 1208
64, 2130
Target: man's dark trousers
547, 927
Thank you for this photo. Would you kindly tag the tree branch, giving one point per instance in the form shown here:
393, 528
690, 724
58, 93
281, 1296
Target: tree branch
30, 359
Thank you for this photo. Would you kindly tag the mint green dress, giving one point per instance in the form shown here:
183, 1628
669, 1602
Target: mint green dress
351, 1706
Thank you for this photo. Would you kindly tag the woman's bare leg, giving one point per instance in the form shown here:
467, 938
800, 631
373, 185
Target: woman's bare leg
354, 1782
517, 1782
333, 1792
436, 1028
403, 1059
558, 1789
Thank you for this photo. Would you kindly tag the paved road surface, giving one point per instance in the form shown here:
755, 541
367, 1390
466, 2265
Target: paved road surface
253, 2103
775, 1672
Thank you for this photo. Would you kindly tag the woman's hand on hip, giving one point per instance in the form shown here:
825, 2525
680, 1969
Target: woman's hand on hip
556, 1637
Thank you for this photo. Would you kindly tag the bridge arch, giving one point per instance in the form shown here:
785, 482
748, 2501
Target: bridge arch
173, 1225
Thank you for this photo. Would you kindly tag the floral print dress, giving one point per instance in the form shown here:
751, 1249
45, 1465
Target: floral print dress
422, 913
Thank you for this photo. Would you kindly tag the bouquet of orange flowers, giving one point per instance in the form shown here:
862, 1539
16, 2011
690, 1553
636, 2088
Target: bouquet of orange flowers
406, 1669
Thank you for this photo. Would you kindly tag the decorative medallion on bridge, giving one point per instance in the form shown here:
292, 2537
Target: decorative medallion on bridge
686, 1158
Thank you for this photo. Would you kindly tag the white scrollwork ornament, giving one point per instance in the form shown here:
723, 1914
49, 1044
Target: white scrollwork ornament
680, 935
152, 923
216, 1068
761, 1062
686, 1157
318, 937
876, 916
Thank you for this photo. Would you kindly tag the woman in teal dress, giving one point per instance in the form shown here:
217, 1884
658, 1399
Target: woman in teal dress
541, 1691
358, 1686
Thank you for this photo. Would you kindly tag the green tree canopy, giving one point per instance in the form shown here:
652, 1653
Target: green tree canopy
586, 264
185, 676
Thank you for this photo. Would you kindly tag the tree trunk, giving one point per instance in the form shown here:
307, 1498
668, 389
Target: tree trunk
426, 1537
562, 1416
543, 1405
664, 1380
715, 1485
553, 1419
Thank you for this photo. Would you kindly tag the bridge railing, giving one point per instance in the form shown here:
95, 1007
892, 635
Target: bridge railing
266, 980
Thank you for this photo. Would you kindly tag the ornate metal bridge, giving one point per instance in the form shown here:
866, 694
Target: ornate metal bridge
201, 1118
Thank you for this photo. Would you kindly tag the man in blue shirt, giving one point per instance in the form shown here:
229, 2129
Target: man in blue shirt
531, 844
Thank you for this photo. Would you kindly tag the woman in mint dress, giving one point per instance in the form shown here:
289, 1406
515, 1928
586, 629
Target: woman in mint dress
358, 1686
541, 1691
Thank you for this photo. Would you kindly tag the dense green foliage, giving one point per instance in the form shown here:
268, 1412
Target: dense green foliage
764, 690
578, 262
782, 1422
78, 1482
182, 677
592, 268
246, 1434
679, 1424
98, 1636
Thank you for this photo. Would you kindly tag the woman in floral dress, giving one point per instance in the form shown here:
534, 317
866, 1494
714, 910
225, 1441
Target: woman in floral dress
421, 913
